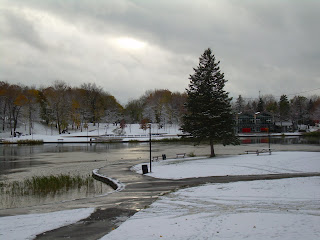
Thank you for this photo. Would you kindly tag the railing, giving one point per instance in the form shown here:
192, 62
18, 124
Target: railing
128, 135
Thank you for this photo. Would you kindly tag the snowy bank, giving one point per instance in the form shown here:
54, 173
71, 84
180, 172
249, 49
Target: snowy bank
248, 164
105, 132
283, 209
28, 226
102, 133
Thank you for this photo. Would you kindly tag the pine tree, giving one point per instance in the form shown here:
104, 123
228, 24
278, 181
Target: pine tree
284, 108
209, 113
240, 104
260, 107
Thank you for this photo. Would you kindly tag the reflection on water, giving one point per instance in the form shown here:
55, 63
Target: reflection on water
23, 156
15, 199
280, 140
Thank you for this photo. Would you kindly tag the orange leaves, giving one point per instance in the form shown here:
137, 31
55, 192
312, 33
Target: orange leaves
75, 104
21, 100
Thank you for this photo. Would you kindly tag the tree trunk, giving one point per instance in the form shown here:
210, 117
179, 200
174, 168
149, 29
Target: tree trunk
212, 149
4, 117
30, 119
15, 118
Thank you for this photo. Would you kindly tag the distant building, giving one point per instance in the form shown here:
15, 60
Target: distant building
254, 122
284, 126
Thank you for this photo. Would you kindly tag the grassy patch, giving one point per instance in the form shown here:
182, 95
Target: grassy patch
312, 134
43, 185
30, 142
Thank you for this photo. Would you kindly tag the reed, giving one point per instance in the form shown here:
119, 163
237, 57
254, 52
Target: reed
43, 185
30, 142
312, 134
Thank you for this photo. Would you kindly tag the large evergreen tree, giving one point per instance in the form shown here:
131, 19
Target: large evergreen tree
209, 113
284, 108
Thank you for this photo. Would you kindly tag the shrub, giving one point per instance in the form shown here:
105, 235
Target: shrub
312, 134
30, 142
191, 154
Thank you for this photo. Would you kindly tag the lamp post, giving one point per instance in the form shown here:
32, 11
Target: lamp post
149, 125
269, 134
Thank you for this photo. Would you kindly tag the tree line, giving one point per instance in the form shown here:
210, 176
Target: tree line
72, 108
297, 110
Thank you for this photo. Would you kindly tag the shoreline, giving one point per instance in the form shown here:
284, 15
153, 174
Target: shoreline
63, 139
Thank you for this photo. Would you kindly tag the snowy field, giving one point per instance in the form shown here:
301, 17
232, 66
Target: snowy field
248, 164
28, 226
276, 209
273, 209
104, 130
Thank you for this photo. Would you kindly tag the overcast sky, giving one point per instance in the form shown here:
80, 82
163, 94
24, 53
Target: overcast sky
128, 47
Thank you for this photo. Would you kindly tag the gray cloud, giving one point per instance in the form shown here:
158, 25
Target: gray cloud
18, 28
271, 46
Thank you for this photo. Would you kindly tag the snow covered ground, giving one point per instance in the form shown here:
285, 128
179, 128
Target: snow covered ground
104, 131
28, 226
247, 164
273, 209
276, 209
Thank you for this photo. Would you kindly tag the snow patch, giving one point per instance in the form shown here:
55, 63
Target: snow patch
275, 209
247, 164
28, 226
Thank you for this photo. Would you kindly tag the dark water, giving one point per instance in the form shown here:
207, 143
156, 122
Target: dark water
280, 140
20, 162
15, 158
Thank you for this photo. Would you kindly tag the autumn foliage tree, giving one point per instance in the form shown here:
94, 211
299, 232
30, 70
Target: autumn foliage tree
160, 106
63, 106
31, 108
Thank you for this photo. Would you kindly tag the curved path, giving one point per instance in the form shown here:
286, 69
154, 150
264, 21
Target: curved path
139, 192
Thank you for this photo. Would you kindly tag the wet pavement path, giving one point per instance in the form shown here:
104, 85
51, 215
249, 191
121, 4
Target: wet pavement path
139, 192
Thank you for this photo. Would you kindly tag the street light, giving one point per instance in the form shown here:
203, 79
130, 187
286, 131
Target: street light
269, 134
149, 125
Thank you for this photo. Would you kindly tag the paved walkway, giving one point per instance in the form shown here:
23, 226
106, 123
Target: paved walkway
140, 191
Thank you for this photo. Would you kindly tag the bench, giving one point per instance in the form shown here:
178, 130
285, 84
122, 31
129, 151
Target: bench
60, 140
181, 155
259, 151
155, 158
